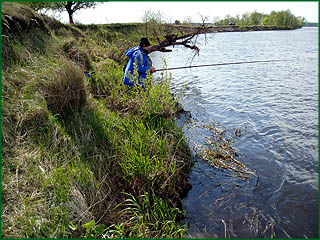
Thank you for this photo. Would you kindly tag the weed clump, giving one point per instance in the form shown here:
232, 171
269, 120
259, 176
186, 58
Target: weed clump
220, 154
64, 88
152, 217
79, 57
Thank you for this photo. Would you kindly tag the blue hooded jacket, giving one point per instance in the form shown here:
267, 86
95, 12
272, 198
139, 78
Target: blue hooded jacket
137, 55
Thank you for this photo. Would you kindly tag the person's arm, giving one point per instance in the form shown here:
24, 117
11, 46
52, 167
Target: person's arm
139, 60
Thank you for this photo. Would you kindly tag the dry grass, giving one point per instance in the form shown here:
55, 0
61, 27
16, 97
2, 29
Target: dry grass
79, 57
65, 89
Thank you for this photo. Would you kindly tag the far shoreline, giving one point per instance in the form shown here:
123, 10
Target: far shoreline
189, 28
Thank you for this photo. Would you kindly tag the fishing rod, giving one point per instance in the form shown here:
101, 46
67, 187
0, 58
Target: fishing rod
220, 64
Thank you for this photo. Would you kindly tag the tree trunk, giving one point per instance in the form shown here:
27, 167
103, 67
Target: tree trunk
68, 7
70, 19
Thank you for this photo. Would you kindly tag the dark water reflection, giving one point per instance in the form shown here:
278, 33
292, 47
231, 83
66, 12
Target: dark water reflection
276, 107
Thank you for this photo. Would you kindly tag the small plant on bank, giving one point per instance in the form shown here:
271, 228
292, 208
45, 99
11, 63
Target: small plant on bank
152, 218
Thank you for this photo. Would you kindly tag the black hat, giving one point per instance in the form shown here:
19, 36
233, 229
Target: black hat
144, 42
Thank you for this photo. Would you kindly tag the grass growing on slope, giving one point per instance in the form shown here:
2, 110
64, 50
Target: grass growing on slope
40, 161
77, 150
152, 217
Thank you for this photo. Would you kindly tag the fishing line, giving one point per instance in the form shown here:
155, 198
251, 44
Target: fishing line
220, 64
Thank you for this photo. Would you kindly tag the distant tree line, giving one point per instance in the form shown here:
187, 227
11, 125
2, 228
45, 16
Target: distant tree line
282, 19
310, 24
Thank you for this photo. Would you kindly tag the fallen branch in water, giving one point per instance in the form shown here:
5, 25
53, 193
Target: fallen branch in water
184, 39
173, 40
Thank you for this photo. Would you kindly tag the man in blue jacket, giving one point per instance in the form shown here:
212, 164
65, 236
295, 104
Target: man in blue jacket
138, 56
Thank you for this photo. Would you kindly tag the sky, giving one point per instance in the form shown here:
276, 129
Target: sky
133, 11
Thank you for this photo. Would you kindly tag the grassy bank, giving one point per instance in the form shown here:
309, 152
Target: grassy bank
84, 156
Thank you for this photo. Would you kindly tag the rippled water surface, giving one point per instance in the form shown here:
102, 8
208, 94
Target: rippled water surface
275, 105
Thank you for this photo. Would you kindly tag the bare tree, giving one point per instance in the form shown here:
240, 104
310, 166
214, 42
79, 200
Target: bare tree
216, 19
153, 20
187, 37
146, 18
204, 19
187, 20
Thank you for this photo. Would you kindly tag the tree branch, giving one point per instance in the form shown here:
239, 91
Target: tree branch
174, 39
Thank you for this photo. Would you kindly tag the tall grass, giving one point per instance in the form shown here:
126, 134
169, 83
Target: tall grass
147, 151
146, 217
152, 217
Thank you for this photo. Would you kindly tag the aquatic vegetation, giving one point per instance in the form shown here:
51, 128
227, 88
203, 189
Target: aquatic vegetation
219, 152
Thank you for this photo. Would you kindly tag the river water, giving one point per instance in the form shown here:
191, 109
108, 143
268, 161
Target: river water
275, 105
